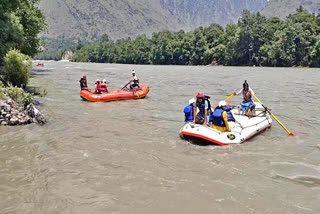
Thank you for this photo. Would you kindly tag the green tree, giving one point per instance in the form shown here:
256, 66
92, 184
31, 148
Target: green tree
20, 23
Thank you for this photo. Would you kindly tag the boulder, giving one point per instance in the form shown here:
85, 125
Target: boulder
4, 123
36, 114
14, 121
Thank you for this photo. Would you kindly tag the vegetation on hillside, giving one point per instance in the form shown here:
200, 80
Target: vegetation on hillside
55, 48
282, 8
254, 40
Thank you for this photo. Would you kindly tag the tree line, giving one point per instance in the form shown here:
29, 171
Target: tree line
254, 40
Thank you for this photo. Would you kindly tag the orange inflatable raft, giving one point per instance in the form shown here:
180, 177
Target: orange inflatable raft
119, 94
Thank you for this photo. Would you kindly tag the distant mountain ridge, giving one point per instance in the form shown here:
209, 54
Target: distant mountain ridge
282, 8
128, 18
195, 13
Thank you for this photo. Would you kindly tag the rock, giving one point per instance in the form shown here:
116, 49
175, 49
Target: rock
4, 123
22, 121
14, 121
40, 119
2, 103
36, 114
4, 106
28, 119
8, 116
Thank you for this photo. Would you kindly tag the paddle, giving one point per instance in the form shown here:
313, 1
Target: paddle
126, 85
229, 97
290, 133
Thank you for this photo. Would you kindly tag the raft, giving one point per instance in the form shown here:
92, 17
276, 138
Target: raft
118, 94
244, 128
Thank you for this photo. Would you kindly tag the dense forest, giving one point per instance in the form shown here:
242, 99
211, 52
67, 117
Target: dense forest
254, 40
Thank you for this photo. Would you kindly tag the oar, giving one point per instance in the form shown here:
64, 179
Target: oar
125, 85
290, 133
229, 97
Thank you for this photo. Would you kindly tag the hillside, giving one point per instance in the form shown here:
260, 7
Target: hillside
129, 18
195, 13
93, 18
282, 8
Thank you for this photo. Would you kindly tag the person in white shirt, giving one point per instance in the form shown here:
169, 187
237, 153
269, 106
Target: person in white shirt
134, 81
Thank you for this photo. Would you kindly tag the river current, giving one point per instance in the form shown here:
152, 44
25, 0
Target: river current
127, 157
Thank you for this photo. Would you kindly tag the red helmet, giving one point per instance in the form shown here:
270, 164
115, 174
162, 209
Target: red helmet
200, 94
84, 76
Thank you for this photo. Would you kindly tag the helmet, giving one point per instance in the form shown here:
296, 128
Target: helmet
98, 80
200, 95
245, 84
104, 81
133, 72
191, 101
84, 76
222, 103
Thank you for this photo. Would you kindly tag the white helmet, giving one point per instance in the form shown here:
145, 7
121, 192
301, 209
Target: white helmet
133, 72
191, 101
97, 80
104, 81
222, 103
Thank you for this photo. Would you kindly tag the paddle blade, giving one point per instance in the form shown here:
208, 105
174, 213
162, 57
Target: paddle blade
291, 134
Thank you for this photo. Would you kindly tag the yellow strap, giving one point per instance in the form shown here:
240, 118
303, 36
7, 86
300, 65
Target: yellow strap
291, 134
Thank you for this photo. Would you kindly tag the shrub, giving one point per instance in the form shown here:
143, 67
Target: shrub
1, 90
18, 95
17, 68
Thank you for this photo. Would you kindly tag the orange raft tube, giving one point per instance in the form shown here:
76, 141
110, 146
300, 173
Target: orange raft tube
119, 94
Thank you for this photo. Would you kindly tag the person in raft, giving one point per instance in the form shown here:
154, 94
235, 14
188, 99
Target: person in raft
134, 81
98, 87
188, 110
247, 105
219, 117
103, 87
203, 104
83, 83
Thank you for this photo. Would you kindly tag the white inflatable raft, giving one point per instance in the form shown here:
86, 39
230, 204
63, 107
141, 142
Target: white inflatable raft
243, 129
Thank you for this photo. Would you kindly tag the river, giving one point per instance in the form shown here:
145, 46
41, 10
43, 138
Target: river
127, 157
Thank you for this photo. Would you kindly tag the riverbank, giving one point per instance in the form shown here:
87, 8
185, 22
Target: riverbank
17, 108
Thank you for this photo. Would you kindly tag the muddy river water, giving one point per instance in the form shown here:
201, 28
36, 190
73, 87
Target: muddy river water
127, 157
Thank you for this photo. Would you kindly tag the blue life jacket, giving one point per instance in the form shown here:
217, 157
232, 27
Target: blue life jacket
217, 118
188, 111
228, 110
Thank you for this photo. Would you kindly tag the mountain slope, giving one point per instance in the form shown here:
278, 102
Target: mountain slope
282, 8
128, 18
93, 18
195, 13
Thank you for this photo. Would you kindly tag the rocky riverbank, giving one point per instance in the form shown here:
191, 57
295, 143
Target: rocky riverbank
12, 113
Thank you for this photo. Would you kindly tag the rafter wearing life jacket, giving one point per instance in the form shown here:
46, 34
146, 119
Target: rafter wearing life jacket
219, 118
188, 111
103, 87
98, 87
83, 83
